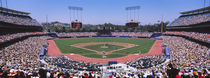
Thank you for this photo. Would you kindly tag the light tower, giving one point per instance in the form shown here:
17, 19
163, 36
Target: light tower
75, 17
132, 14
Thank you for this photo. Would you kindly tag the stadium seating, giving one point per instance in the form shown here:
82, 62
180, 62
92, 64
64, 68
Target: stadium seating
7, 37
147, 61
19, 20
77, 34
22, 57
199, 36
191, 20
143, 34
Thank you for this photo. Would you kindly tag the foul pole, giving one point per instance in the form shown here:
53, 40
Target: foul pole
162, 24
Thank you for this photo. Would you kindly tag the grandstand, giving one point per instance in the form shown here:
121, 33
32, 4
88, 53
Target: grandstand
194, 24
28, 52
17, 21
195, 20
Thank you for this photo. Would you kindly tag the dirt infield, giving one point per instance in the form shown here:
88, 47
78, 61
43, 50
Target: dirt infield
126, 45
54, 51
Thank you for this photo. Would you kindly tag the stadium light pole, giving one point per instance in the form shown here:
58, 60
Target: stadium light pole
6, 4
81, 16
47, 23
75, 14
204, 3
209, 2
70, 18
162, 24
1, 2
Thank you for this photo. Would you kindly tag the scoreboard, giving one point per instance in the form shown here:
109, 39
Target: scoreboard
132, 24
76, 25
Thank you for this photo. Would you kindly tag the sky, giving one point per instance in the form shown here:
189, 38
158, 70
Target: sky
104, 11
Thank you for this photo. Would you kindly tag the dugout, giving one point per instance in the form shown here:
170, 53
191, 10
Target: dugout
112, 62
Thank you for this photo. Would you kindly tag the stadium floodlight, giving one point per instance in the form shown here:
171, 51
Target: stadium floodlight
6, 4
75, 16
133, 8
1, 3
75, 8
132, 14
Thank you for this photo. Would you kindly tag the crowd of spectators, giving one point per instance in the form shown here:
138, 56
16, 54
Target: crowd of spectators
77, 34
147, 61
143, 34
42, 72
186, 53
65, 62
189, 57
188, 60
18, 20
21, 60
7, 37
23, 53
22, 56
191, 20
199, 36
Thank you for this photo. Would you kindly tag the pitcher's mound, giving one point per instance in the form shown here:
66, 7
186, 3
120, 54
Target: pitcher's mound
104, 47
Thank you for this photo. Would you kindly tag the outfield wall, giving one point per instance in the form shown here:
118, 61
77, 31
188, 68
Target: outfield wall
102, 36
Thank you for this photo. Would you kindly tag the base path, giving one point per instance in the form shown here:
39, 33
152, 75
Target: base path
125, 45
54, 51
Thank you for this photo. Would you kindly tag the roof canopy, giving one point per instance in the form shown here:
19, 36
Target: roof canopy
202, 10
13, 11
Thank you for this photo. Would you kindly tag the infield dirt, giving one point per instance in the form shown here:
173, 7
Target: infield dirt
125, 45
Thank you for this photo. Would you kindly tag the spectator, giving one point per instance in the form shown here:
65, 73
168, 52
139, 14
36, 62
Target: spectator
191, 20
19, 20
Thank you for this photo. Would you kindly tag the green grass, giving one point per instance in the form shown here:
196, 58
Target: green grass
98, 47
92, 55
144, 46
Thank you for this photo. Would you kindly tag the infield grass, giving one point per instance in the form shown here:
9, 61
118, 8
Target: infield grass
109, 47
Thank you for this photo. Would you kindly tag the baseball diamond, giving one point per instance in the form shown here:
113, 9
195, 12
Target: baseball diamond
113, 47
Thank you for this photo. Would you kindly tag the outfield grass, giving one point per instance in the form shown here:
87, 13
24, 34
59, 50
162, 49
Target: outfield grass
144, 46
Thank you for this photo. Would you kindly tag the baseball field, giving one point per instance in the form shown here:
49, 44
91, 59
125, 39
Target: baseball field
104, 47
